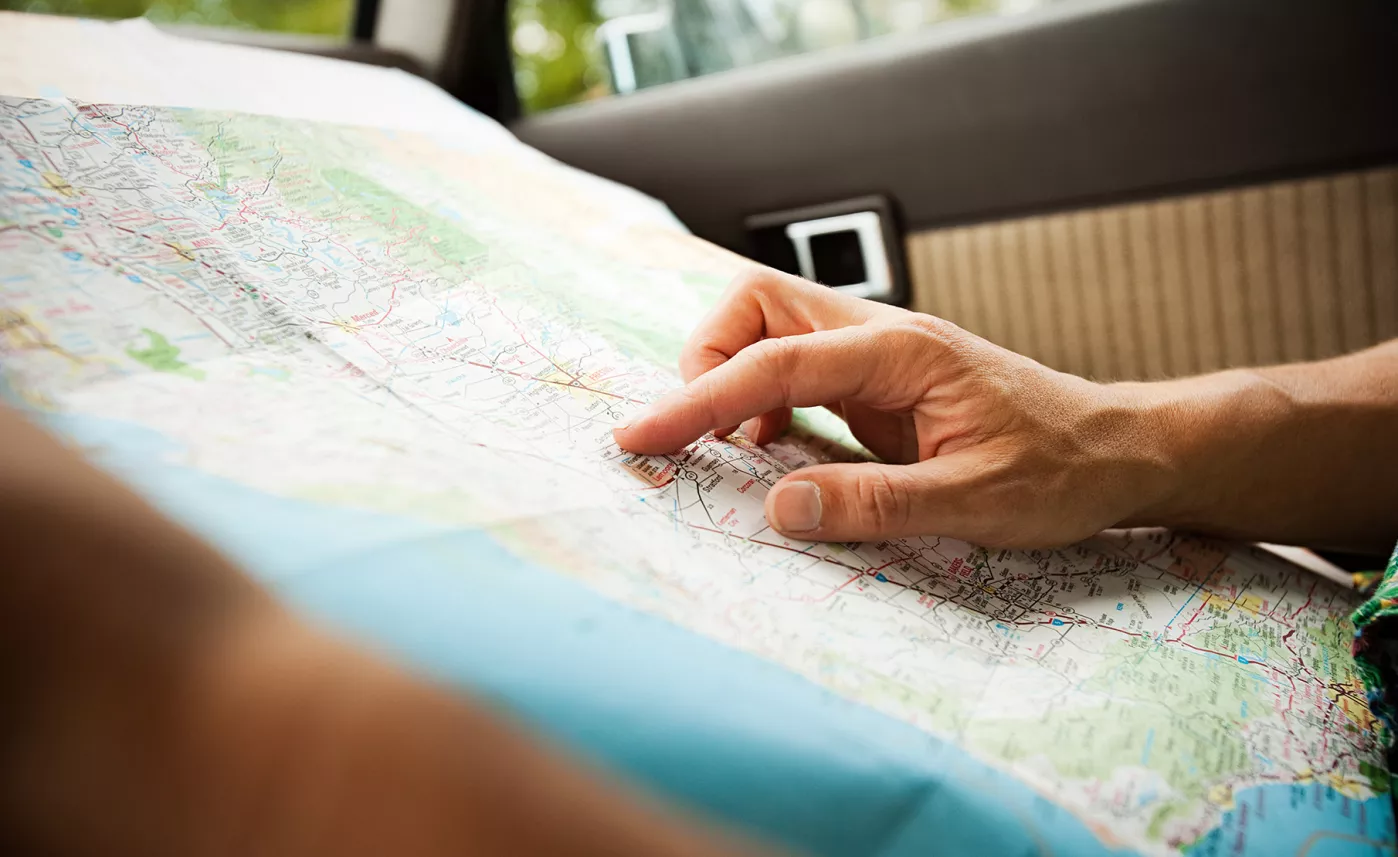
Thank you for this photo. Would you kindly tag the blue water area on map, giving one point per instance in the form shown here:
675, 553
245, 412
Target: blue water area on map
727, 733
1293, 819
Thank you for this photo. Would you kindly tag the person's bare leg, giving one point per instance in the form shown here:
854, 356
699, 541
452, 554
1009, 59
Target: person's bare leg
157, 702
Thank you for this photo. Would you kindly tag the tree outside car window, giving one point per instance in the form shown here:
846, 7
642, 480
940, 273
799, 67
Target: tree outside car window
567, 51
319, 17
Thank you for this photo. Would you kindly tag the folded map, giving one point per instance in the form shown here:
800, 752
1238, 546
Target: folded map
381, 368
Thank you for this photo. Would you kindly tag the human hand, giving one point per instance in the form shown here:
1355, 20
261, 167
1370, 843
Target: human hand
978, 442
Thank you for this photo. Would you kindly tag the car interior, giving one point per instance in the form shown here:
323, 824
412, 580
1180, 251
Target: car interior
1119, 189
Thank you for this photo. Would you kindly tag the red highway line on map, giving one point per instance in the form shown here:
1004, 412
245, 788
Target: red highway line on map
1309, 596
1185, 629
861, 573
535, 349
159, 157
43, 151
858, 573
573, 385
617, 375
872, 569
252, 291
530, 345
391, 306
828, 559
1299, 661
893, 562
836, 590
196, 316
1102, 627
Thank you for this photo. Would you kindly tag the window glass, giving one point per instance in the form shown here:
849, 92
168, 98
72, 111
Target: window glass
322, 17
573, 50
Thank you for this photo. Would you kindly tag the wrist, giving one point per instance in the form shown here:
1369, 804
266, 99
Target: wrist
1135, 469
1199, 434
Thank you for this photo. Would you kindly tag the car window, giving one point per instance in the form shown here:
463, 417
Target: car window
568, 51
318, 17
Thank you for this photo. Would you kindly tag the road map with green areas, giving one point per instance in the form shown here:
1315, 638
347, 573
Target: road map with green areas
381, 369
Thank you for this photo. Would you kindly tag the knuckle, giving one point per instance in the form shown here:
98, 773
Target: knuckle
699, 399
906, 339
691, 366
922, 333
770, 287
884, 502
775, 352
751, 280
698, 357
930, 340
937, 335
931, 325
774, 360
901, 355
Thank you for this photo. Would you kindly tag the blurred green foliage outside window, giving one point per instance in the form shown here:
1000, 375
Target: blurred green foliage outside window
320, 17
557, 60
566, 51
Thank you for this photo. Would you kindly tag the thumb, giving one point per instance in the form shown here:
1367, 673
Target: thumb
868, 502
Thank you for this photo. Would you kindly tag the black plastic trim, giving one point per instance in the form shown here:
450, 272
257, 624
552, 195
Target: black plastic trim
477, 68
767, 243
366, 19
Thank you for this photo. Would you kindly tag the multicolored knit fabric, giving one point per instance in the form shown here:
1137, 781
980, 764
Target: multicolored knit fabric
1376, 641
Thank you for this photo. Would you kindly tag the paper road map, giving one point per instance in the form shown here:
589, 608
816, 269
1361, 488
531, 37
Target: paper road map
361, 320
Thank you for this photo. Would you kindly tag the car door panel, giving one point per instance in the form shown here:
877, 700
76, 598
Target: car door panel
1162, 128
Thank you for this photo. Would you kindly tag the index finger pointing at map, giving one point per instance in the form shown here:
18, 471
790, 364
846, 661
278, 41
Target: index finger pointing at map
794, 371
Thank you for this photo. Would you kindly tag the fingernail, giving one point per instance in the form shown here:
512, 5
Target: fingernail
750, 428
621, 426
796, 507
